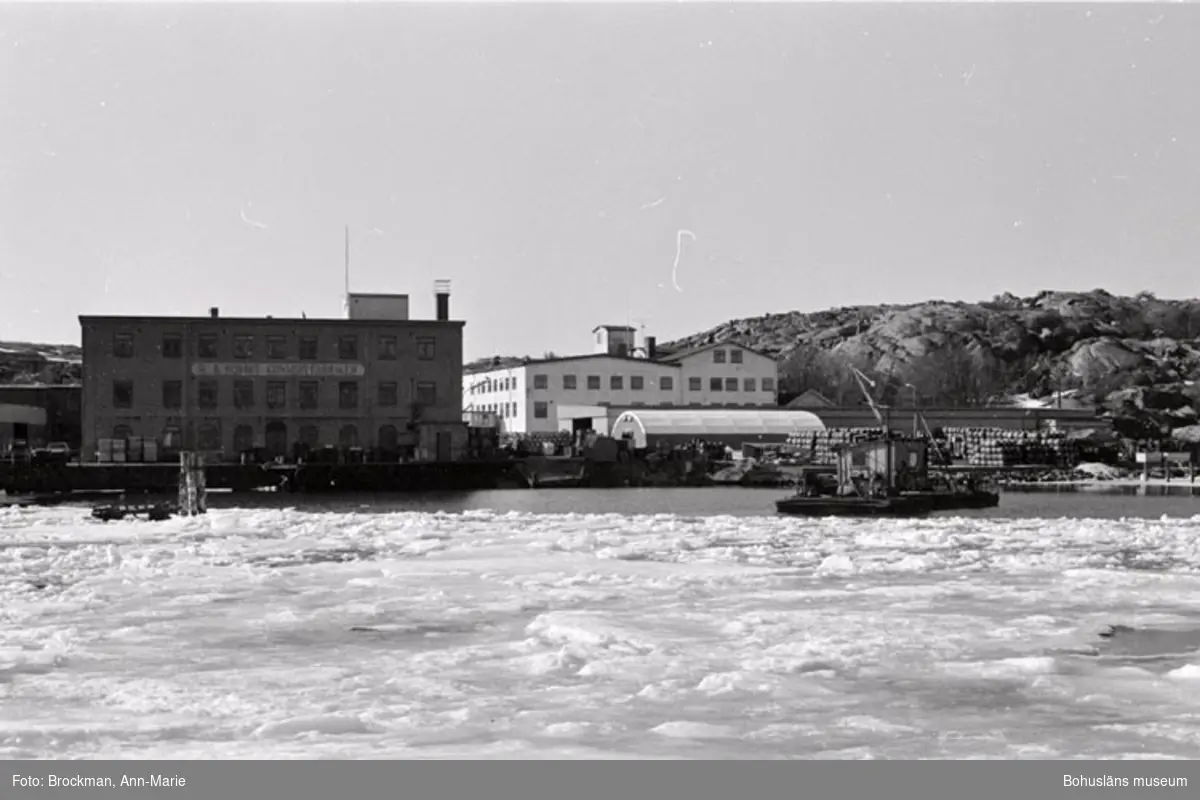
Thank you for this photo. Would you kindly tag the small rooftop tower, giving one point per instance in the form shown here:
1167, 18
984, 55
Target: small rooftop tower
614, 340
369, 305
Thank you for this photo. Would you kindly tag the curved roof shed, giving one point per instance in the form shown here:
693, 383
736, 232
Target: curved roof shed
731, 426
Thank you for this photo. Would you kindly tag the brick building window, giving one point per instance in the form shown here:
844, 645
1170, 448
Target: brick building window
718, 356
694, 385
425, 349
172, 394
122, 394
666, 383
731, 384
206, 345
637, 383
389, 394
348, 347
310, 394
735, 356
277, 347
308, 348
387, 348
123, 345
616, 382
276, 394
243, 394
569, 382
714, 384
748, 385
348, 394
426, 393
172, 345
593, 382
541, 409
243, 346
206, 394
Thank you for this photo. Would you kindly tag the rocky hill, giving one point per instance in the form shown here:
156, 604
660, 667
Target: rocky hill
26, 363
1134, 358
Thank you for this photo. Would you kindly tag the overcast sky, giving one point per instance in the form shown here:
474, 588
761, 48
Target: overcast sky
162, 159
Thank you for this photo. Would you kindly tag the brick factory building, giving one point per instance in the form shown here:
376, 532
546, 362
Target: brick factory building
223, 385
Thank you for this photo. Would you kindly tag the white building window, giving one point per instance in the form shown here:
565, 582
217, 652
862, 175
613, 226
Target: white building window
666, 383
718, 356
735, 356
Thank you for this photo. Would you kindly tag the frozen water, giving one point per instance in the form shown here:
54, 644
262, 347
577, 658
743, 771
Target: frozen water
291, 634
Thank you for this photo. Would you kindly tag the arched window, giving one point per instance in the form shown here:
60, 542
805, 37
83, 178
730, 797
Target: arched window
208, 436
172, 438
388, 438
243, 438
277, 438
310, 436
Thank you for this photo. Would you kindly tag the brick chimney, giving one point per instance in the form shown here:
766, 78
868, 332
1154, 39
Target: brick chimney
441, 292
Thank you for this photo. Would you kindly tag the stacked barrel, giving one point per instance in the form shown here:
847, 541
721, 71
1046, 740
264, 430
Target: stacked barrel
985, 447
821, 447
997, 447
539, 442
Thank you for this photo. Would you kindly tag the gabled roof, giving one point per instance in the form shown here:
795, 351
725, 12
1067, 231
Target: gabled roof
682, 354
810, 399
613, 328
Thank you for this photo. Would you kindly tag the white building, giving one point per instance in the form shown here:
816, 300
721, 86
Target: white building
526, 397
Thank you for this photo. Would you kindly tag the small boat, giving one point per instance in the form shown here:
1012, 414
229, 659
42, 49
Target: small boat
884, 477
908, 504
155, 512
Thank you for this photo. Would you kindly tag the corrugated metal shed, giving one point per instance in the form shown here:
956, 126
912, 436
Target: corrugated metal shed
731, 426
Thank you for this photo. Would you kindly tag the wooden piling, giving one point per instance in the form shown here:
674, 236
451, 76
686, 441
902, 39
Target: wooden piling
192, 489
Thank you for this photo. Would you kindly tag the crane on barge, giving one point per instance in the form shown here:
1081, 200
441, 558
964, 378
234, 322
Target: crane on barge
896, 480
